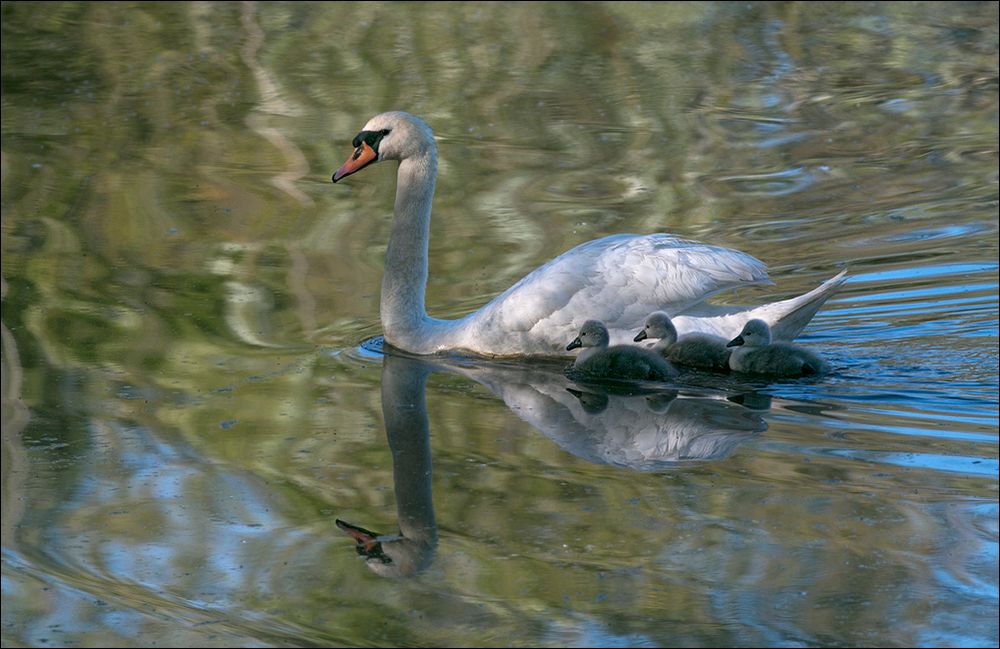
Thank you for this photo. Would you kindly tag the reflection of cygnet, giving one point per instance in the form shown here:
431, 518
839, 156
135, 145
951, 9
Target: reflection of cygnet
593, 403
694, 349
754, 353
652, 430
597, 360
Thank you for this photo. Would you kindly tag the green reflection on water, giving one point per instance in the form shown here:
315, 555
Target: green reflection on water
184, 291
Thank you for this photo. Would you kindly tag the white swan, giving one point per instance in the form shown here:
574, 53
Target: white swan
754, 353
599, 361
706, 351
619, 279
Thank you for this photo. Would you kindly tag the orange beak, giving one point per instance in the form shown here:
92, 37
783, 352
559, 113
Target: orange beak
363, 156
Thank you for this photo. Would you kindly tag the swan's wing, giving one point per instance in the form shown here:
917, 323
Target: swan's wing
619, 280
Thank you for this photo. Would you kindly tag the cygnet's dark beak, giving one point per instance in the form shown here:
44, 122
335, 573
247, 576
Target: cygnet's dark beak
576, 343
735, 342
640, 336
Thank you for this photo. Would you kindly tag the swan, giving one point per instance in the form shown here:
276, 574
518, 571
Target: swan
621, 277
756, 354
694, 349
599, 361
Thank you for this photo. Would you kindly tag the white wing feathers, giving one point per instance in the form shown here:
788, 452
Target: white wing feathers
620, 280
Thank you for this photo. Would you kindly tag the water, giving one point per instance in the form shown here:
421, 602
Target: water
189, 404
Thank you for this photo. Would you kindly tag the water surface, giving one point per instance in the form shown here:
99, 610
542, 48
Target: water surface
188, 405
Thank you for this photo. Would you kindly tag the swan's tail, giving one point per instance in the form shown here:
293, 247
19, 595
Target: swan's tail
786, 318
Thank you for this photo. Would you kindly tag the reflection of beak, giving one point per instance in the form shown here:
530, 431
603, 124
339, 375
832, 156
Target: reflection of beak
640, 336
363, 156
366, 540
735, 342
573, 345
368, 544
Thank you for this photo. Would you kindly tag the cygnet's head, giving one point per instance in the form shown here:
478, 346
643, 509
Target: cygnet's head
593, 334
755, 333
593, 403
390, 136
658, 326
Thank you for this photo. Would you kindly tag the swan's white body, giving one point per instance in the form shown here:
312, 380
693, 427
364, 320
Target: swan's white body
617, 279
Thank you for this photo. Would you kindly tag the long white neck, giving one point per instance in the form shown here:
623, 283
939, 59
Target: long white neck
405, 280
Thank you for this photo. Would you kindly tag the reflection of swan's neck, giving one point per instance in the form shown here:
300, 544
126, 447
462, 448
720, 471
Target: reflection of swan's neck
404, 407
404, 318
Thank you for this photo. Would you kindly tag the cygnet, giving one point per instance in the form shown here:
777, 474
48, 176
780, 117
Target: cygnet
694, 350
598, 360
754, 353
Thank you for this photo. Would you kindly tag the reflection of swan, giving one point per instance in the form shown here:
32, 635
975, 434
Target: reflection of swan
632, 426
640, 427
404, 408
695, 349
619, 279
647, 432
598, 360
754, 353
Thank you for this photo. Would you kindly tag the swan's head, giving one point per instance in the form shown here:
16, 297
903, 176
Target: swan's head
593, 334
658, 326
389, 136
755, 333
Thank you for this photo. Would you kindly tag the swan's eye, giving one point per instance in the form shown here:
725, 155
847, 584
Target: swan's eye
385, 131
371, 138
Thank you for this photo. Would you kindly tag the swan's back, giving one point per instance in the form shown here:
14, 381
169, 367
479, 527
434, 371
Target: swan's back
621, 277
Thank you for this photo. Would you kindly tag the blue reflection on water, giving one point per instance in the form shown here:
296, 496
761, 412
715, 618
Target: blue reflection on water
923, 271
934, 461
